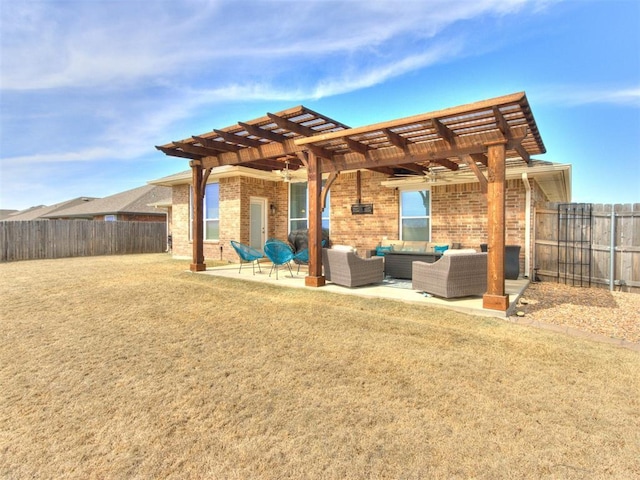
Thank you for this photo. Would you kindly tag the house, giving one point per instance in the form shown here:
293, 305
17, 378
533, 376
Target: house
4, 213
40, 212
142, 204
462, 176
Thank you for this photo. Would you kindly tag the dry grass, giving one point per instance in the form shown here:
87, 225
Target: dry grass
130, 367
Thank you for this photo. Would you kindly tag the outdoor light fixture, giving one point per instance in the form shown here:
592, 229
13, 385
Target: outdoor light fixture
272, 207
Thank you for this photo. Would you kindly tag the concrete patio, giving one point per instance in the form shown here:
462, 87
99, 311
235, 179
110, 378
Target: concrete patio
388, 290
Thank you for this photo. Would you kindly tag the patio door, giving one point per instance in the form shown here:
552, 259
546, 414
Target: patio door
258, 222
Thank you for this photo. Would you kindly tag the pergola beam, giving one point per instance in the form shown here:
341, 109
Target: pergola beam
356, 146
396, 139
190, 148
300, 130
178, 153
445, 162
504, 127
470, 162
214, 144
496, 298
479, 158
447, 134
292, 126
239, 139
414, 167
262, 133
436, 151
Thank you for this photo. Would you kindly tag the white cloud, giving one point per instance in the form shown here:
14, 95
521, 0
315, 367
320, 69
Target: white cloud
104, 81
88, 44
579, 95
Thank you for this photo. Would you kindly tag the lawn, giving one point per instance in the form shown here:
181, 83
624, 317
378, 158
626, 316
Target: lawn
133, 367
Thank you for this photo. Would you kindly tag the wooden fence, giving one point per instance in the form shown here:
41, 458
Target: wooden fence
599, 249
39, 239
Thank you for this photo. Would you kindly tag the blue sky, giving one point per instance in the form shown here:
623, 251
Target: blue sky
88, 88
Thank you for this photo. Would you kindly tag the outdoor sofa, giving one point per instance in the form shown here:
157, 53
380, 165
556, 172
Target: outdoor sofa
459, 273
343, 267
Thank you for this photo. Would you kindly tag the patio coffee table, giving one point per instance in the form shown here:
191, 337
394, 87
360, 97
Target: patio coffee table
398, 264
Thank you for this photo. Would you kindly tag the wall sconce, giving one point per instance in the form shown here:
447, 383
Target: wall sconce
272, 207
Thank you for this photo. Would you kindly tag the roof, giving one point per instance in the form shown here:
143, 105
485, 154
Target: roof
451, 139
135, 201
6, 212
41, 211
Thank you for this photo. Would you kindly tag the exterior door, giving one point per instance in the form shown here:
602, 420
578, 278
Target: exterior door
258, 222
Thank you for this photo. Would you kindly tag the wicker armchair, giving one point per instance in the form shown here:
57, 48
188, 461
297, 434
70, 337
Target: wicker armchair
347, 269
452, 275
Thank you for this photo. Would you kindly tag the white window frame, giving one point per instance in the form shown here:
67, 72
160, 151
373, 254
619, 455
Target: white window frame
204, 215
401, 217
326, 213
205, 218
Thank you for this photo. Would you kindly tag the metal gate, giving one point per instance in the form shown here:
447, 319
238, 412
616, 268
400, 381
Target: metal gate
574, 243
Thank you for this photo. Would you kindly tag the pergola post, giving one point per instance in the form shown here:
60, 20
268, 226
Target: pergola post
314, 176
495, 298
198, 264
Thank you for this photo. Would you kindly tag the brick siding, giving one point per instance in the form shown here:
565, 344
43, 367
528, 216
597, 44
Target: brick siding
458, 213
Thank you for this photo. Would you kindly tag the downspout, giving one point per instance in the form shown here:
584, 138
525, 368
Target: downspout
527, 226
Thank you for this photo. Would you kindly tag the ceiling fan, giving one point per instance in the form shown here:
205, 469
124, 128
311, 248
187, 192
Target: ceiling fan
428, 174
285, 173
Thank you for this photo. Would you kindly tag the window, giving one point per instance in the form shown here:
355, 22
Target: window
415, 220
211, 213
299, 208
110, 218
298, 211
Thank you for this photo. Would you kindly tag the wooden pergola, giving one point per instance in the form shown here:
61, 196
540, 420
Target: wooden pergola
480, 137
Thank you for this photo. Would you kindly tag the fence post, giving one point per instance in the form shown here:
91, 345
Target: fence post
612, 247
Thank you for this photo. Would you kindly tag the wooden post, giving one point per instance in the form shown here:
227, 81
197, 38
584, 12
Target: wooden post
314, 176
495, 298
197, 229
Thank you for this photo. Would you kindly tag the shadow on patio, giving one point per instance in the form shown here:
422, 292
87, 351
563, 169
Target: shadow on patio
391, 289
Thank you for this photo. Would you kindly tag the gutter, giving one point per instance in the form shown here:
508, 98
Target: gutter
527, 226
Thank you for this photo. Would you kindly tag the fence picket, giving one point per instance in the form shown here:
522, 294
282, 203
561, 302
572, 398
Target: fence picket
39, 239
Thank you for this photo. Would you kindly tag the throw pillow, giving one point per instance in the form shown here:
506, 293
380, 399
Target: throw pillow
380, 250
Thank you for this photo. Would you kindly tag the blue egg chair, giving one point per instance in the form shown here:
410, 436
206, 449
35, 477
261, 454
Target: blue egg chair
301, 257
247, 254
280, 253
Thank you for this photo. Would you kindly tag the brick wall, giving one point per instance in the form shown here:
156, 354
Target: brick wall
235, 199
235, 205
180, 222
459, 213
363, 231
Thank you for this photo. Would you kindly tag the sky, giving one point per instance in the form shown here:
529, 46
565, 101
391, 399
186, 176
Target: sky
88, 88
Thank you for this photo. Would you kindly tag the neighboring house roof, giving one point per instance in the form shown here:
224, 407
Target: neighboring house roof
135, 201
42, 211
5, 213
553, 178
